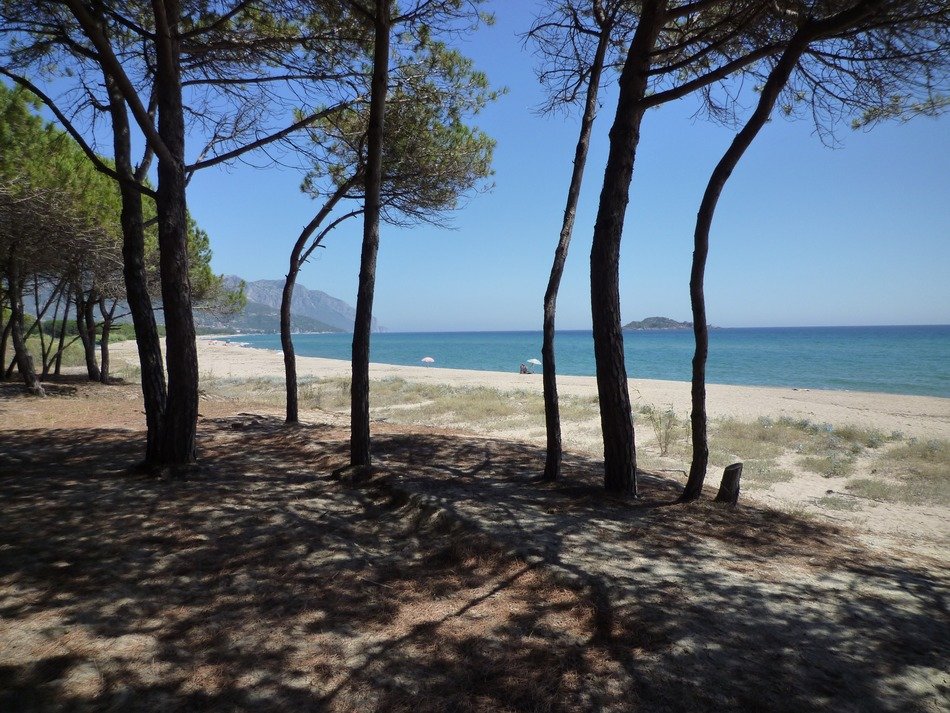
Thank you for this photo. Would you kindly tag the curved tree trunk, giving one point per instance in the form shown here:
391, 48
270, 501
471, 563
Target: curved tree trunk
286, 340
359, 387
297, 258
180, 426
107, 315
4, 339
62, 336
147, 341
23, 359
771, 91
620, 457
86, 326
552, 416
50, 353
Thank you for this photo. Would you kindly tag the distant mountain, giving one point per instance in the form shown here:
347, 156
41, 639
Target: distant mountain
258, 318
657, 323
312, 310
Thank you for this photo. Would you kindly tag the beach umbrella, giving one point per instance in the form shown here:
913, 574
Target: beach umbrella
534, 361
427, 360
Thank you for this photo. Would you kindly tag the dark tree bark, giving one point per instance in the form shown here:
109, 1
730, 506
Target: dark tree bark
359, 387
49, 352
86, 326
107, 318
23, 359
771, 91
298, 256
729, 487
7, 329
620, 457
286, 340
552, 416
180, 425
148, 343
62, 336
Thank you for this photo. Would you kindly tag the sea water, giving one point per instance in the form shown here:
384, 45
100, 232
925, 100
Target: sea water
899, 360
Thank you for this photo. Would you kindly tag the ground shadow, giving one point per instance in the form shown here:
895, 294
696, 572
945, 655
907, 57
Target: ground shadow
257, 583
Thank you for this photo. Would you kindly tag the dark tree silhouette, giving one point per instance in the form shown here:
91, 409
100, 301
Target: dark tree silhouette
895, 50
562, 37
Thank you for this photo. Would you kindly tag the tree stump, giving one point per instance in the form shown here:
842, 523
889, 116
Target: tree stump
729, 487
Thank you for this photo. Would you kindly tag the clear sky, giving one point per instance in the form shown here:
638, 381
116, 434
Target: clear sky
804, 235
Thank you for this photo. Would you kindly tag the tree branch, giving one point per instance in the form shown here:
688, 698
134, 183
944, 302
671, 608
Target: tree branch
73, 132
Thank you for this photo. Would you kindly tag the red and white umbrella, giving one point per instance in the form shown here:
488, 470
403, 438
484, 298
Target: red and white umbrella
427, 360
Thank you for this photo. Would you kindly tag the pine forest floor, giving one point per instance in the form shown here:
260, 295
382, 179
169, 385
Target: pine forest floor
449, 578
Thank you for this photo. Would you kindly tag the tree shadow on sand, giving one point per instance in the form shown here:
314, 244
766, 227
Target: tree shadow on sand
259, 583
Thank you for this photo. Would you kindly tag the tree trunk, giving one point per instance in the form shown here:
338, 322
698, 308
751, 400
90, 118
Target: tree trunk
24, 361
297, 258
7, 329
49, 353
729, 487
86, 326
62, 336
40, 314
181, 413
286, 340
107, 316
552, 416
148, 343
620, 457
771, 91
359, 387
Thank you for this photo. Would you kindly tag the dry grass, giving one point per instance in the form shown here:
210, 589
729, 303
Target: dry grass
764, 474
838, 502
907, 472
830, 466
915, 473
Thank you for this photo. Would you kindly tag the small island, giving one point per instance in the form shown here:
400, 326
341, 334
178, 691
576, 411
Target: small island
657, 323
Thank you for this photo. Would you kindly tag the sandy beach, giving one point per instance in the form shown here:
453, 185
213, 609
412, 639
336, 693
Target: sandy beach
914, 416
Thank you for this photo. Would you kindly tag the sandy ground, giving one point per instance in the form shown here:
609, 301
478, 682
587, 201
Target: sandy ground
886, 525
919, 416
452, 580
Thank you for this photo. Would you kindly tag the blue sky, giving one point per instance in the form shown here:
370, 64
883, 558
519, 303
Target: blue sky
804, 235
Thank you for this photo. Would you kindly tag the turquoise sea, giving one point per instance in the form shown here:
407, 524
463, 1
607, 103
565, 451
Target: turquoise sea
899, 360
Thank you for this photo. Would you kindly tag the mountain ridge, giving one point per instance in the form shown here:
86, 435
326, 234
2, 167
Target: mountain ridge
311, 310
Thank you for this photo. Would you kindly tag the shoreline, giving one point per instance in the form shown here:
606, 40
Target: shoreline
914, 416
846, 374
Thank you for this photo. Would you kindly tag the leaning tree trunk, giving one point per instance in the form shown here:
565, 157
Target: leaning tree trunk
286, 339
107, 316
4, 334
24, 361
62, 336
4, 338
620, 456
49, 353
771, 91
86, 326
297, 258
552, 416
359, 387
147, 341
179, 429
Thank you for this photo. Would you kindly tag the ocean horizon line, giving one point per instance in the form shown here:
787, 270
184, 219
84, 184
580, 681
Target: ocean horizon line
903, 359
674, 329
